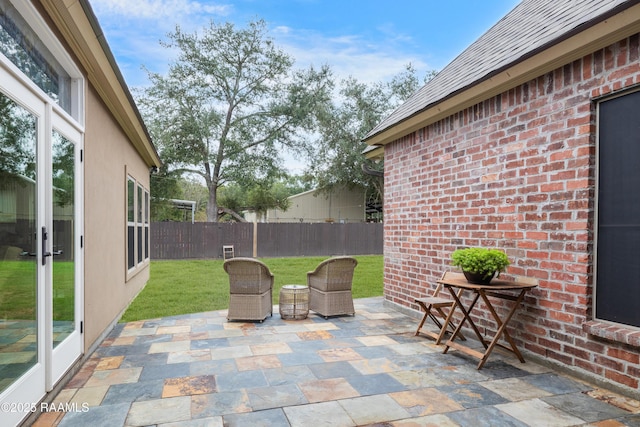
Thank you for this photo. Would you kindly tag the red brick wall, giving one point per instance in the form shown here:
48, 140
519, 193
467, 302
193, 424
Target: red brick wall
515, 172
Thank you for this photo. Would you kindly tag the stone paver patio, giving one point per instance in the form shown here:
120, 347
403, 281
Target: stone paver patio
201, 370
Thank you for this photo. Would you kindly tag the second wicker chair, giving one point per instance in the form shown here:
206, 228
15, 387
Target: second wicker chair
330, 287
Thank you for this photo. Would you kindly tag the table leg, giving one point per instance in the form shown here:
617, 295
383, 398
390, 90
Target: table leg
502, 327
465, 313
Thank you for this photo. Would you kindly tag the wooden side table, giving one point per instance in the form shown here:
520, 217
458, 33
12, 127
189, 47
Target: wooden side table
294, 302
484, 292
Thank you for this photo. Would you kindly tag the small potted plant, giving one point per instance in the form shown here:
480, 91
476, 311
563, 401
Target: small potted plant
480, 265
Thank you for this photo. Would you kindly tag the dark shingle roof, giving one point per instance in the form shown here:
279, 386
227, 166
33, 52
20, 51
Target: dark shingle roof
530, 27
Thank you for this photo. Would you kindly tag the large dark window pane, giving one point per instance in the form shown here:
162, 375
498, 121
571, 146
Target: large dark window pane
618, 238
139, 244
131, 254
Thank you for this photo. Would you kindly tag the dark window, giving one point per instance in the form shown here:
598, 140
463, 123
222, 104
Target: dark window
618, 233
139, 244
131, 253
131, 225
146, 225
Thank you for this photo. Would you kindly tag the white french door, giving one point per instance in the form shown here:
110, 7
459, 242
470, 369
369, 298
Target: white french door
40, 253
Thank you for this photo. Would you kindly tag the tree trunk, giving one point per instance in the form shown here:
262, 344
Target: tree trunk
212, 206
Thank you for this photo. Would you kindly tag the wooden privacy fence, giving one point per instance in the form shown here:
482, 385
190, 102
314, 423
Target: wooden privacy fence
204, 240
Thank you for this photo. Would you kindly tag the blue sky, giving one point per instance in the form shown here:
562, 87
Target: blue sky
371, 40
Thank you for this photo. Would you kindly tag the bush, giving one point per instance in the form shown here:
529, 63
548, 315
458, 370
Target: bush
480, 260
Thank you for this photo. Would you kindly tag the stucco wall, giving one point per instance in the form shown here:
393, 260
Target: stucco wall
108, 158
516, 172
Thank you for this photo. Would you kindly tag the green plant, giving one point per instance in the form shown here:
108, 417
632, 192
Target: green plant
480, 261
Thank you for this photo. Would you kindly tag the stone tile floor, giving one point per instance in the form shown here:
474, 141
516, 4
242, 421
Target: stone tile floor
201, 370
18, 347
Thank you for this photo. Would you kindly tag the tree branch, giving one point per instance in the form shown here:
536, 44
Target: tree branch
223, 210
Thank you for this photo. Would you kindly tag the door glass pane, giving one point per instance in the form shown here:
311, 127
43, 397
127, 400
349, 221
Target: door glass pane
63, 232
18, 244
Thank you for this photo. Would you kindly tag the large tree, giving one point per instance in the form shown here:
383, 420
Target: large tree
338, 159
229, 104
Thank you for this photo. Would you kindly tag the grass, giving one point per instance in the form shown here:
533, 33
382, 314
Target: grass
181, 287
18, 290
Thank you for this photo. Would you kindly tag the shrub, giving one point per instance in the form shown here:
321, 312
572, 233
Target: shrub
480, 260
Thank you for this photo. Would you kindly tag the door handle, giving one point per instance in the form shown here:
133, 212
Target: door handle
45, 254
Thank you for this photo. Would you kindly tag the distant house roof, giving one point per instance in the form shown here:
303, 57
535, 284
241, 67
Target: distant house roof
532, 27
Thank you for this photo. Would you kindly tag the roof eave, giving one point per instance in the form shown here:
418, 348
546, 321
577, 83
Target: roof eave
374, 152
80, 29
597, 36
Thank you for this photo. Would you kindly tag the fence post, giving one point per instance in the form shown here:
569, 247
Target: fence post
255, 239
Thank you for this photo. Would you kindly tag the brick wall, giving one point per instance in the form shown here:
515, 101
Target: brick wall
515, 172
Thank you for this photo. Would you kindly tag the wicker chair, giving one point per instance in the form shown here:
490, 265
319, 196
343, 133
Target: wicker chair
330, 287
250, 288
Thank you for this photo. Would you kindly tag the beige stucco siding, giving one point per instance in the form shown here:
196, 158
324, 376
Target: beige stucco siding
109, 157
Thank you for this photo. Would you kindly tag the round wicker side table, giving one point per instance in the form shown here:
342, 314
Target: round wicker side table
294, 302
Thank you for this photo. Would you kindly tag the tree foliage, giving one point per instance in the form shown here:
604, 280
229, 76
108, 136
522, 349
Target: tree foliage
166, 187
17, 143
228, 105
338, 160
63, 176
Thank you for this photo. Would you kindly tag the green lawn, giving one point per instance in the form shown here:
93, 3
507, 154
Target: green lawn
18, 290
180, 287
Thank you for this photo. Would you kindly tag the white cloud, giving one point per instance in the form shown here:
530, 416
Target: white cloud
349, 55
154, 9
134, 28
282, 29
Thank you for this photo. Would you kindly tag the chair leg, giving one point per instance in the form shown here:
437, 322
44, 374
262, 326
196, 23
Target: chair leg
429, 314
424, 318
435, 320
442, 329
451, 326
